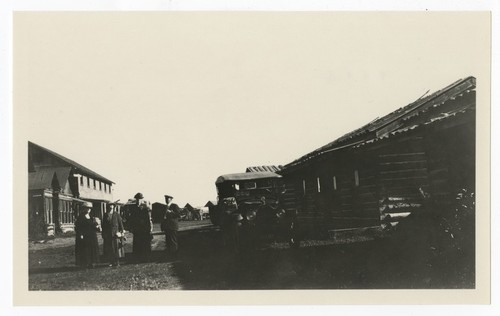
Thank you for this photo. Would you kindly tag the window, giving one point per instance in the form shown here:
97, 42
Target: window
100, 186
94, 184
356, 178
334, 182
265, 183
64, 211
68, 212
48, 209
81, 180
319, 184
250, 185
88, 182
304, 186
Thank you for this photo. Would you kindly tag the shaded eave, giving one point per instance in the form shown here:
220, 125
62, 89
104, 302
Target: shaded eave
44, 177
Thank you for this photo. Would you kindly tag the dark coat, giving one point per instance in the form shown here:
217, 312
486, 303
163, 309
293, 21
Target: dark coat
140, 225
86, 244
140, 220
171, 218
110, 226
113, 245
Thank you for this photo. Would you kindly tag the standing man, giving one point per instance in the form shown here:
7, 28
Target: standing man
141, 227
171, 226
112, 232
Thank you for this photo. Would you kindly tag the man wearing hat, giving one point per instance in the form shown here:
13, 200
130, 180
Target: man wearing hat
140, 227
171, 225
112, 232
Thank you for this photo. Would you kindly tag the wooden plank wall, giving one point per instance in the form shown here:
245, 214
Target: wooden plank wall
348, 204
402, 171
357, 200
440, 159
451, 159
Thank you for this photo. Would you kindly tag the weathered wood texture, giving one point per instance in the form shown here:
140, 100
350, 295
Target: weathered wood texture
367, 183
402, 171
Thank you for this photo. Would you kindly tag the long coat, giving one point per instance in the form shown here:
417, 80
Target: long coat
86, 244
171, 217
140, 226
171, 225
111, 225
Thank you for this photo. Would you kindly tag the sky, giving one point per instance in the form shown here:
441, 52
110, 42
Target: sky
164, 103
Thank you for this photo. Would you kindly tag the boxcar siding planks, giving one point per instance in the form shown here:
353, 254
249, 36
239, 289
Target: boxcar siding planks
402, 170
451, 159
434, 149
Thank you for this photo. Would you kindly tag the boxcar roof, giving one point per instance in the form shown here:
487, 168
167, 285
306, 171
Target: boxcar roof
270, 168
247, 176
403, 119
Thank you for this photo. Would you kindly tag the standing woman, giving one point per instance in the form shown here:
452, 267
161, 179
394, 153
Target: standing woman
86, 244
141, 227
112, 232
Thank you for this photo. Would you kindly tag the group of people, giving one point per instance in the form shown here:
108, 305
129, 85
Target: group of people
86, 243
139, 224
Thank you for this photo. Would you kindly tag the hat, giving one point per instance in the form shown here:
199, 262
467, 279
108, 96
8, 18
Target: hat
87, 204
168, 197
138, 196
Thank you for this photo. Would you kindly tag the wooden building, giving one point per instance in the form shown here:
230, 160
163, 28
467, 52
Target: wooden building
373, 174
56, 188
211, 204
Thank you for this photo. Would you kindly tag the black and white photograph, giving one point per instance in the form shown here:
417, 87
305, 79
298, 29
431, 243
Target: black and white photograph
321, 153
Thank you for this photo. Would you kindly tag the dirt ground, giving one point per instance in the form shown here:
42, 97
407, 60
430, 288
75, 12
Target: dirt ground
369, 261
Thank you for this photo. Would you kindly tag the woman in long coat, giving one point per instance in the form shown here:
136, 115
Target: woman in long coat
112, 232
140, 226
86, 244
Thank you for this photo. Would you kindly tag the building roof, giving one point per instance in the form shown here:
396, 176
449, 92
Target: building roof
264, 168
80, 168
246, 176
426, 110
209, 203
43, 177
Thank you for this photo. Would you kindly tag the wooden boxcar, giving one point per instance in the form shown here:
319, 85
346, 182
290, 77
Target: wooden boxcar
374, 174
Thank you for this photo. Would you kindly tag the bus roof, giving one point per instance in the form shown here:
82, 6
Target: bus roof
246, 176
